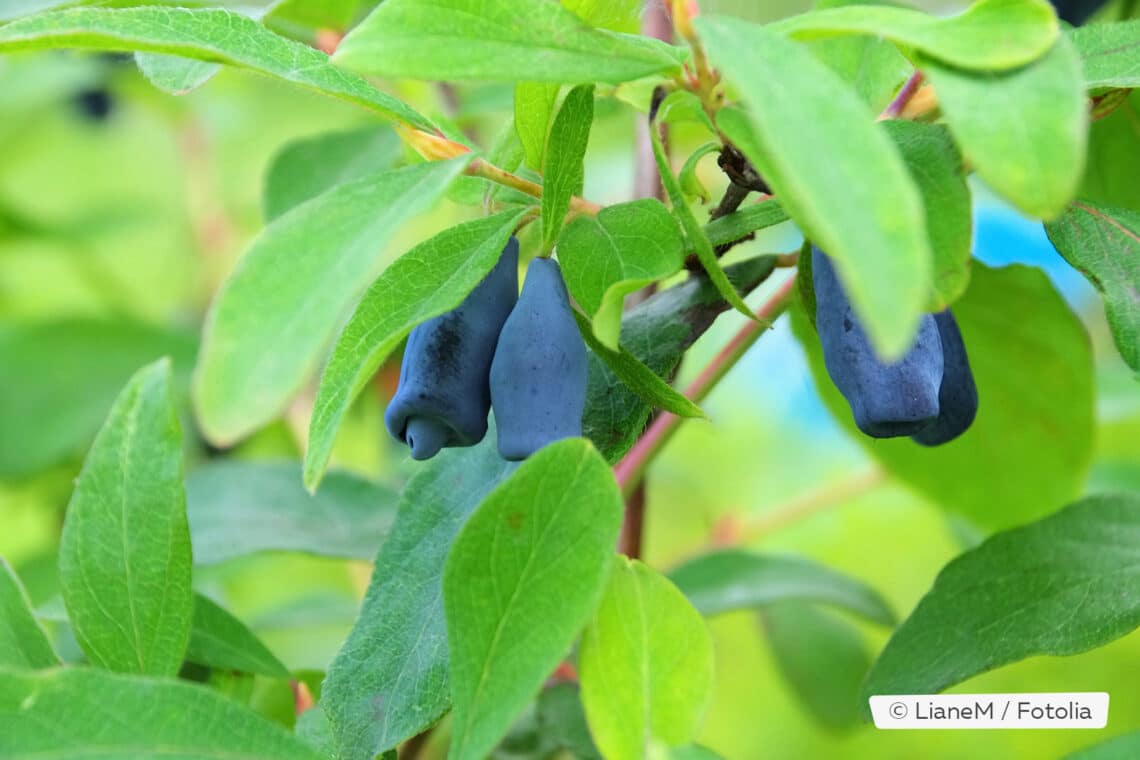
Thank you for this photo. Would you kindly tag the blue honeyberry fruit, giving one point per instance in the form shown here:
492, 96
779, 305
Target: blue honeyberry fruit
1076, 12
538, 378
94, 104
887, 400
958, 395
444, 395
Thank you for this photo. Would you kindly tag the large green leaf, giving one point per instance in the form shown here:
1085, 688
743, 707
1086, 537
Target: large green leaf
534, 106
657, 332
305, 168
238, 508
1124, 747
390, 680
621, 250
503, 40
564, 169
47, 416
1060, 586
85, 714
208, 34
521, 580
1110, 53
856, 199
1029, 448
822, 657
990, 34
1103, 244
431, 279
124, 556
280, 306
646, 665
23, 643
733, 579
219, 640
1024, 131
937, 170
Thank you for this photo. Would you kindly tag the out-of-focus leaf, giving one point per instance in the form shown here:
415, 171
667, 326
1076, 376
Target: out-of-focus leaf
605, 258
617, 15
646, 665
874, 229
109, 715
207, 34
429, 280
48, 416
823, 658
124, 556
521, 580
1028, 450
219, 640
873, 66
23, 643
1125, 747
534, 106
501, 40
1063, 585
1103, 244
237, 508
390, 680
173, 74
733, 579
989, 35
1114, 158
305, 168
1023, 131
561, 716
280, 306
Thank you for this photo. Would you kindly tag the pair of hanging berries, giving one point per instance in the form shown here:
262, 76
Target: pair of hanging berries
521, 355
928, 394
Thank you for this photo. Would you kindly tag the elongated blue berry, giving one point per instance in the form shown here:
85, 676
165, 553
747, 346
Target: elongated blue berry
538, 378
444, 395
887, 400
958, 395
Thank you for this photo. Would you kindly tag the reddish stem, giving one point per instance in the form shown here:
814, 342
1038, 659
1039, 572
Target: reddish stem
909, 88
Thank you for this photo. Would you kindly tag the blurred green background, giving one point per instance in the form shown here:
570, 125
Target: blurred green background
114, 233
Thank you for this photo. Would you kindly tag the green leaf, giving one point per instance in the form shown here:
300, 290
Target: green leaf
173, 74
208, 34
502, 40
733, 579
1110, 53
989, 35
1103, 244
1064, 585
315, 14
937, 170
278, 309
1125, 747
1029, 448
429, 280
1114, 158
693, 230
646, 665
822, 657
689, 180
45, 420
564, 169
618, 15
109, 715
124, 556
649, 387
313, 728
856, 200
237, 508
1023, 131
534, 105
305, 168
743, 222
621, 250
561, 717
219, 640
656, 332
520, 581
390, 680
23, 643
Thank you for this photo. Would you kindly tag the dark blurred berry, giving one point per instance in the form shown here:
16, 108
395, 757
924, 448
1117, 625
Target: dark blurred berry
94, 103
